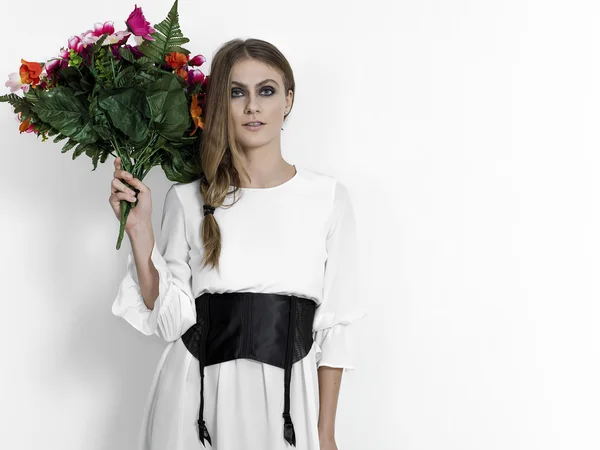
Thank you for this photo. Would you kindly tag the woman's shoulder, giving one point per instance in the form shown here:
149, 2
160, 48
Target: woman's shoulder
187, 193
326, 184
317, 179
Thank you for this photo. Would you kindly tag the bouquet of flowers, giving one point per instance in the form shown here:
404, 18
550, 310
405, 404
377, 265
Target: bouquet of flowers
143, 103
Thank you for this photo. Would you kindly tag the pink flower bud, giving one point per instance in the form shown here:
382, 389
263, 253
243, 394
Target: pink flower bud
197, 60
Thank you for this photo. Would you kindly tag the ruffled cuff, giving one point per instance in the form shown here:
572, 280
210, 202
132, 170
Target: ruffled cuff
129, 304
335, 346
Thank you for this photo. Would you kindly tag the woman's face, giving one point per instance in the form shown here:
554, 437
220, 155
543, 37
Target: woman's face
257, 94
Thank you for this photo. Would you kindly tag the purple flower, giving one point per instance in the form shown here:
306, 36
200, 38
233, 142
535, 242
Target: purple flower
134, 49
137, 24
195, 76
115, 51
52, 65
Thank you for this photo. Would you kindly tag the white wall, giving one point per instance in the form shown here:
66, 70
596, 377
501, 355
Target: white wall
466, 132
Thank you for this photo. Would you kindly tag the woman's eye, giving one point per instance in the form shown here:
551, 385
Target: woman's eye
236, 91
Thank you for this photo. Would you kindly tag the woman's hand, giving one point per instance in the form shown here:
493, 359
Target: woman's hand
327, 443
139, 216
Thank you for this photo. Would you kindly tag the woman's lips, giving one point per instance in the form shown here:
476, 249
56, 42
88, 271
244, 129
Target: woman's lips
254, 128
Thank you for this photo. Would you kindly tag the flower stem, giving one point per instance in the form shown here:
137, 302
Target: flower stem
125, 208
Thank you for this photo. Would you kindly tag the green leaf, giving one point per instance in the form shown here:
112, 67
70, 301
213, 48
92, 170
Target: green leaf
167, 107
68, 114
127, 111
80, 149
125, 77
87, 130
100, 120
145, 61
81, 80
60, 137
167, 38
181, 165
19, 104
103, 157
98, 44
68, 146
147, 76
126, 54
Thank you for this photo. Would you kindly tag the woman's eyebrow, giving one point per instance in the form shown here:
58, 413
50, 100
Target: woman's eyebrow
258, 84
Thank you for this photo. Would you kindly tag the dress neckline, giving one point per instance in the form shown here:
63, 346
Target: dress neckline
272, 188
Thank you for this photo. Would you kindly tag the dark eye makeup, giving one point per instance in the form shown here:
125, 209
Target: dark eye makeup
266, 88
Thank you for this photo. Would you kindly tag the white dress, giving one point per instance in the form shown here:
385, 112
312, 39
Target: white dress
298, 238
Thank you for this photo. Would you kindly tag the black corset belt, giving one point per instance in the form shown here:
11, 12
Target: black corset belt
271, 328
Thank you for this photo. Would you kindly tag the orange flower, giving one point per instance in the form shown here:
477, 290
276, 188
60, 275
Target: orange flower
176, 60
25, 125
196, 111
183, 73
30, 72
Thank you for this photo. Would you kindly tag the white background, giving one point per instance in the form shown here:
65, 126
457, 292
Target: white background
467, 134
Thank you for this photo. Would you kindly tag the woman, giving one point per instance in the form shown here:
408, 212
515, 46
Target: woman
231, 284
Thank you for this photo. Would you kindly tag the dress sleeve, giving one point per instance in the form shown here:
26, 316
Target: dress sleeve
334, 324
174, 310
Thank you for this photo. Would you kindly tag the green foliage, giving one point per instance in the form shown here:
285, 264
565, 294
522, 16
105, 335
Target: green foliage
181, 163
60, 137
60, 108
80, 80
167, 38
104, 66
100, 120
68, 146
19, 104
75, 59
167, 107
127, 110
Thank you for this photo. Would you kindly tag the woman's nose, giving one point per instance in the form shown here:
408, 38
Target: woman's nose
252, 105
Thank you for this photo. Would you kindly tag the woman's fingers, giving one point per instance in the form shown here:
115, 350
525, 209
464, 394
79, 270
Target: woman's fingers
119, 175
117, 185
123, 174
118, 196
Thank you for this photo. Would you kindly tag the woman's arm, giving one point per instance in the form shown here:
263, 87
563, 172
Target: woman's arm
330, 379
169, 311
333, 326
